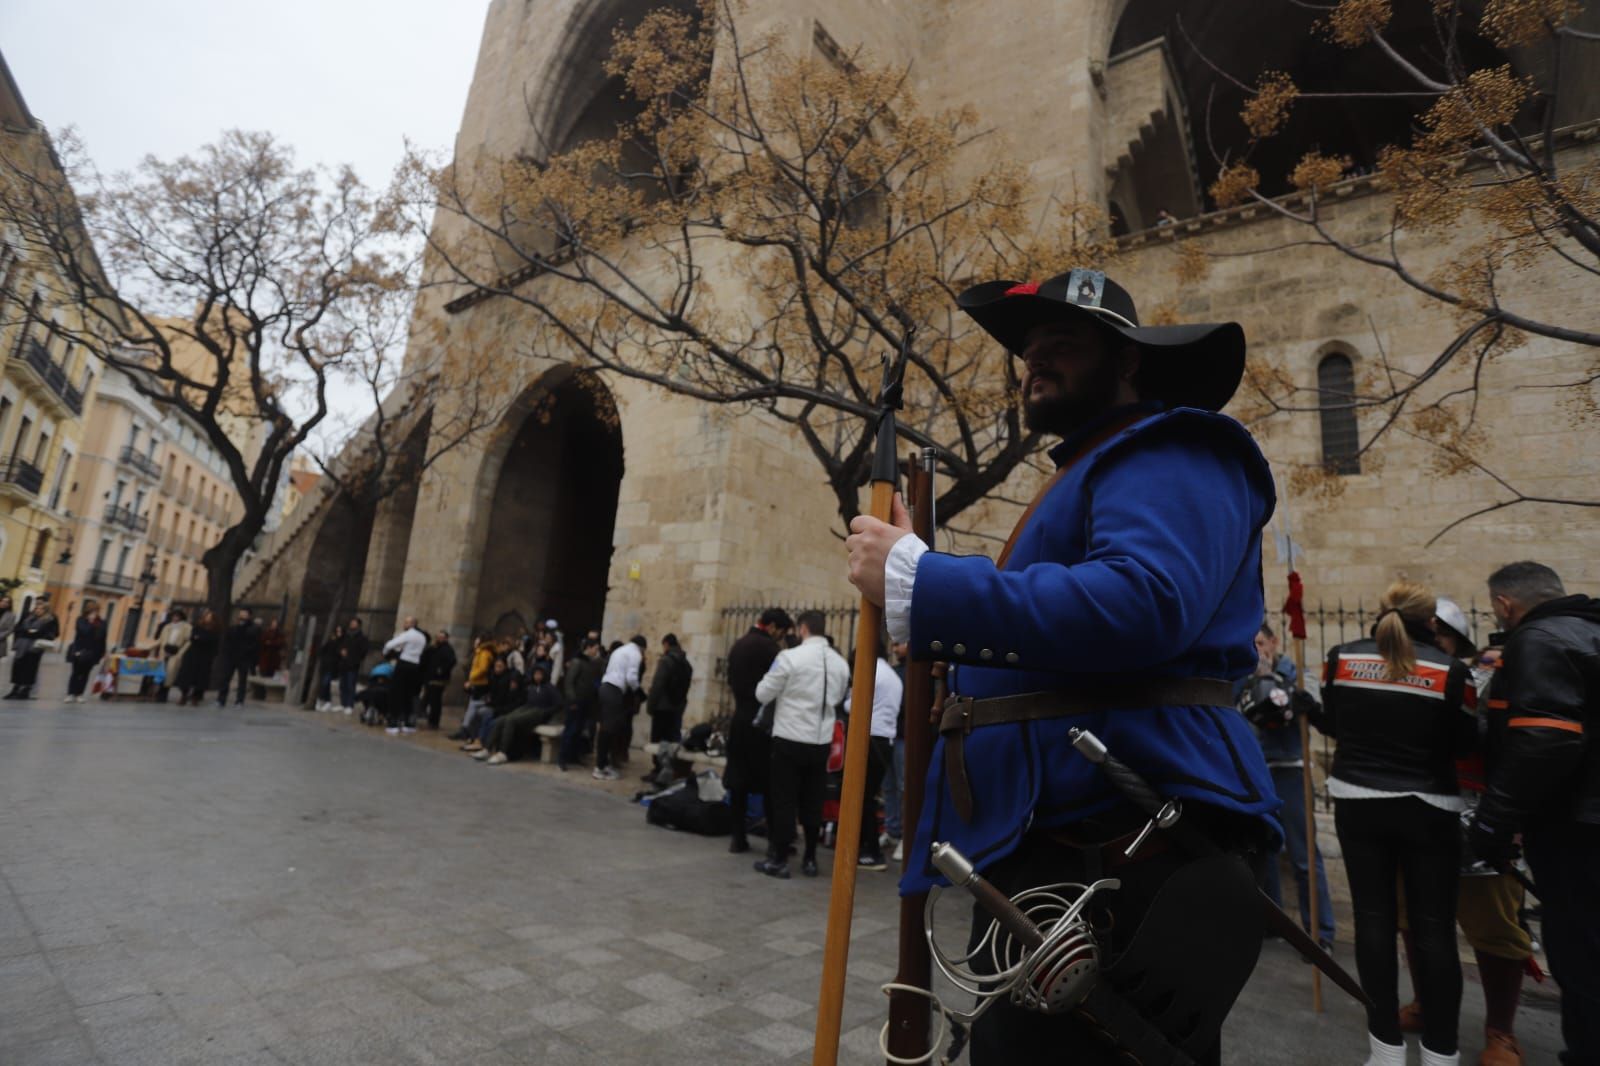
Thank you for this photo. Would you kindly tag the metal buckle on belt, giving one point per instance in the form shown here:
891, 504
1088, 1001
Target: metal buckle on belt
964, 704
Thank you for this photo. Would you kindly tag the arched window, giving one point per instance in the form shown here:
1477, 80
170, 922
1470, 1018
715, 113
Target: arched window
1336, 393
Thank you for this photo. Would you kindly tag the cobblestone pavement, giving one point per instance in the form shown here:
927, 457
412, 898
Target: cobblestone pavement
267, 886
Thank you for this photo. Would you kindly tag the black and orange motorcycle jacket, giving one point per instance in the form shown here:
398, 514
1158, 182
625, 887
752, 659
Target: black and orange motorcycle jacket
1544, 710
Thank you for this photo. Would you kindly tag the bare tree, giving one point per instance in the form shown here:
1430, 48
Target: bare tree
765, 228
1486, 172
228, 286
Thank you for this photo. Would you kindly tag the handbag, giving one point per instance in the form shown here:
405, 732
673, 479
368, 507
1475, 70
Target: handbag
171, 649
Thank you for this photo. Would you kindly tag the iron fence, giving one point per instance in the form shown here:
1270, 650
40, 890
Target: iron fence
737, 620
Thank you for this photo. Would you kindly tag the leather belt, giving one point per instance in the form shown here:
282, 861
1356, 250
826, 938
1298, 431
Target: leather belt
962, 714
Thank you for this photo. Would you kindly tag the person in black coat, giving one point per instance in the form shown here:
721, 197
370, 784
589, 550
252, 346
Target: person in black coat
241, 647
352, 653
194, 677
438, 663
39, 625
669, 692
87, 649
748, 746
328, 659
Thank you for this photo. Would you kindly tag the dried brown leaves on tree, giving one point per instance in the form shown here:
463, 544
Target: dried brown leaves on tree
1486, 174
769, 225
228, 286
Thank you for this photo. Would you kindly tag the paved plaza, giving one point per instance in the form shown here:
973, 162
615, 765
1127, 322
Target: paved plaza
183, 886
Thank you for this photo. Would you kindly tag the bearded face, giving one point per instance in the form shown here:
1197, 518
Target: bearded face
1073, 376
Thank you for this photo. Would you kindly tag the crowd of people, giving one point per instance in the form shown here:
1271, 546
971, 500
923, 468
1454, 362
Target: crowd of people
1448, 757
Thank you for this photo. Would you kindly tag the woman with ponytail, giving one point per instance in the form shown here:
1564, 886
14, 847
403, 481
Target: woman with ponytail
1402, 711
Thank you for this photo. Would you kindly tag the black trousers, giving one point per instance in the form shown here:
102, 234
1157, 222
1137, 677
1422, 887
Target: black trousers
433, 700
613, 722
666, 725
231, 670
797, 782
81, 669
1382, 840
880, 763
1565, 860
1009, 1035
403, 705
580, 717
25, 668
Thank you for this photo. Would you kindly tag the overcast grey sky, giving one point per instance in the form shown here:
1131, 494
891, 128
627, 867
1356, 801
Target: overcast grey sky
342, 81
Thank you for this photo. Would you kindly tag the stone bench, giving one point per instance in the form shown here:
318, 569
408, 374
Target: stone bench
265, 688
549, 741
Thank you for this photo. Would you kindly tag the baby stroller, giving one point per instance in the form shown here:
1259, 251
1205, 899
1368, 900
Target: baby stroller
374, 699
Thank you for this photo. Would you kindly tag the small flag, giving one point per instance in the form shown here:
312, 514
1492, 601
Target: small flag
1294, 606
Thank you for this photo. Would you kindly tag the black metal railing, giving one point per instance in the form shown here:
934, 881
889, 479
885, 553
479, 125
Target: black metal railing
23, 474
105, 579
141, 462
122, 516
37, 356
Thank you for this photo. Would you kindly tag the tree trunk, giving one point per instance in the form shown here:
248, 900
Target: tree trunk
222, 563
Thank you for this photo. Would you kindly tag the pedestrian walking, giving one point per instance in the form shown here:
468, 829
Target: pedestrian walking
241, 648
37, 628
407, 646
173, 642
1544, 778
1402, 711
88, 647
330, 656
619, 687
194, 677
750, 745
804, 685
273, 641
669, 692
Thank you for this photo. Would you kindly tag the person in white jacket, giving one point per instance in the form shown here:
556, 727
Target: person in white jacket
804, 685
886, 691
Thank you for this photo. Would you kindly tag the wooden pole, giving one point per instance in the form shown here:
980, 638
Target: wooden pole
910, 1015
847, 842
1311, 819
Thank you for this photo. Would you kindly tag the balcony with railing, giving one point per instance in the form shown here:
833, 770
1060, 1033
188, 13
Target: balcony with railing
18, 477
50, 378
105, 579
118, 515
141, 462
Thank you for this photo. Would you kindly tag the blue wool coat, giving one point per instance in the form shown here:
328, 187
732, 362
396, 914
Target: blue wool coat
1145, 559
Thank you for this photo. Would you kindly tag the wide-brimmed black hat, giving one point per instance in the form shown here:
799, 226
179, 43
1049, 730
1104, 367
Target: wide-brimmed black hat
1196, 365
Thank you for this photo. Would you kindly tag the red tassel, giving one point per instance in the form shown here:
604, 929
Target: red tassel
1294, 607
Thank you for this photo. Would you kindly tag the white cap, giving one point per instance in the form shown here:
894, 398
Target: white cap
550, 623
1451, 615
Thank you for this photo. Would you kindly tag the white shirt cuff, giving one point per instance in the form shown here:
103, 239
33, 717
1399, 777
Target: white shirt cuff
899, 575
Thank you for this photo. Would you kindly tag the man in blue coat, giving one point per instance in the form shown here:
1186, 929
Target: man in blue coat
1126, 603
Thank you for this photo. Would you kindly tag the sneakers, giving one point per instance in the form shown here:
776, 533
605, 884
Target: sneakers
1500, 1048
472, 745
899, 851
408, 729
393, 731
498, 759
780, 870
809, 867
1385, 1054
871, 862
482, 754
1411, 1017
1433, 1058
347, 710
606, 774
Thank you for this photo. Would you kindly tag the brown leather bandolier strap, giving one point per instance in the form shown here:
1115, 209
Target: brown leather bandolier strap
962, 714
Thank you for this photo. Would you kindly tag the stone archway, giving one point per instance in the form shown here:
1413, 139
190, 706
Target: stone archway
552, 510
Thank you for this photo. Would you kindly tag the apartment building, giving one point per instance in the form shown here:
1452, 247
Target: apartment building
46, 383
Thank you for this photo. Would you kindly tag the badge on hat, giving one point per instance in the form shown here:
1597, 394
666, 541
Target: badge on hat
1086, 288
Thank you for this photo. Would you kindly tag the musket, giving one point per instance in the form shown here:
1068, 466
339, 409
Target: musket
910, 1015
847, 842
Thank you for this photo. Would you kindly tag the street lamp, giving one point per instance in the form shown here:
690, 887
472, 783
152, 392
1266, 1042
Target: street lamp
130, 628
